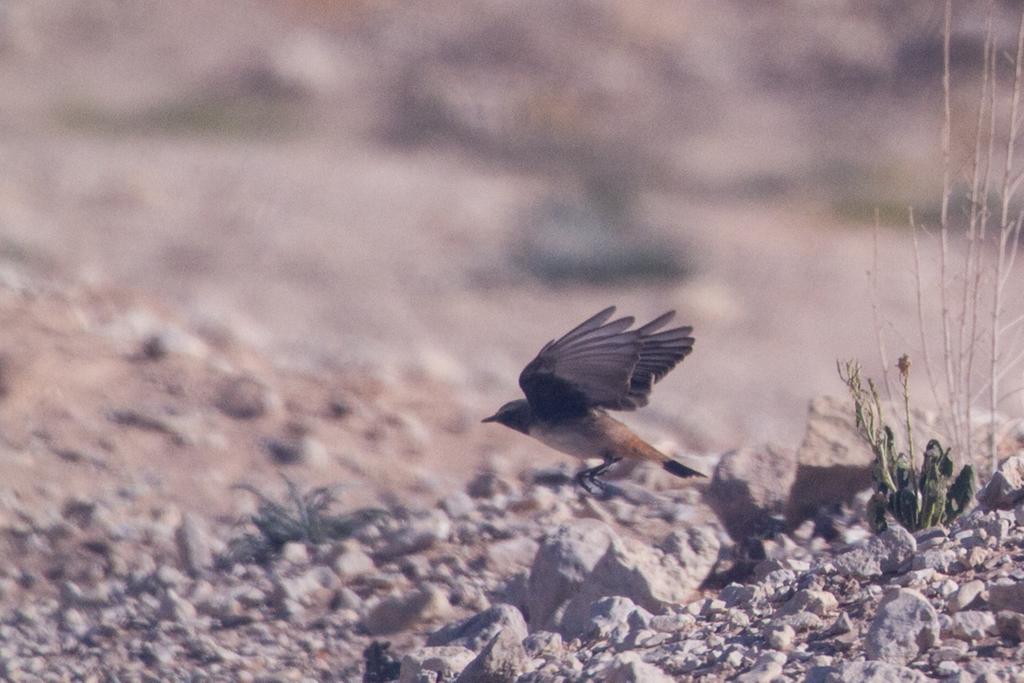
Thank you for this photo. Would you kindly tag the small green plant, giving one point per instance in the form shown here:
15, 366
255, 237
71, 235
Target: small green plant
917, 500
303, 517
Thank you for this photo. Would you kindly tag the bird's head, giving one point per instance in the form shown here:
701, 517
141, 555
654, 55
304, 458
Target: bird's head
514, 415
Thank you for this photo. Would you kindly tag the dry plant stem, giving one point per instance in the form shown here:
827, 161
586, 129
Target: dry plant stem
947, 118
905, 382
949, 425
1007, 228
974, 259
947, 124
879, 338
977, 352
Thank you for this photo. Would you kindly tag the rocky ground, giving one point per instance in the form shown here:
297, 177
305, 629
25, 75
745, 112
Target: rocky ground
131, 553
512, 581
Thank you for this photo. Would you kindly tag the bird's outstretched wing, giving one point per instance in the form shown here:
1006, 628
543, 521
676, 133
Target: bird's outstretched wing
603, 364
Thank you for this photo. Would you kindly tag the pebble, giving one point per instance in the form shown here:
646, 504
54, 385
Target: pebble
966, 594
401, 611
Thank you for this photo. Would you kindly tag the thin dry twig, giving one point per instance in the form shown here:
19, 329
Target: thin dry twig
879, 336
975, 347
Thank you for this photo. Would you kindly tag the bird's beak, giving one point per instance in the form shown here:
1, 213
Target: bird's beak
492, 418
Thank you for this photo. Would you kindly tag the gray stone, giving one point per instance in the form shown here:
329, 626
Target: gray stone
818, 603
562, 564
695, 549
653, 578
501, 661
739, 594
444, 662
801, 622
1006, 487
880, 554
543, 643
973, 625
352, 561
630, 668
512, 552
1007, 596
766, 669
478, 630
296, 553
419, 535
833, 463
458, 504
399, 612
965, 595
488, 485
905, 626
73, 595
297, 448
193, 545
780, 637
243, 398
749, 486
613, 618
1010, 625
175, 608
937, 559
874, 672
314, 585
73, 621
989, 671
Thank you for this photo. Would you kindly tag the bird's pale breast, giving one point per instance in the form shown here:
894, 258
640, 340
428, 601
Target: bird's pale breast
594, 436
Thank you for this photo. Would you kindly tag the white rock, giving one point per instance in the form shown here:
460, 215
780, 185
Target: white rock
352, 561
630, 668
833, 462
879, 555
905, 626
973, 625
501, 661
818, 603
445, 661
512, 552
768, 667
562, 564
478, 630
419, 535
1006, 487
965, 595
875, 672
749, 486
194, 544
295, 552
652, 578
781, 637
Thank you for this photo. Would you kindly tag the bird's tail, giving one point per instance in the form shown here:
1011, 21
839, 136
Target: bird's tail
680, 470
640, 449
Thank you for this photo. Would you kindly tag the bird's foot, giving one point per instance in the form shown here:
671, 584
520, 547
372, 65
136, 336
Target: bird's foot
588, 478
589, 482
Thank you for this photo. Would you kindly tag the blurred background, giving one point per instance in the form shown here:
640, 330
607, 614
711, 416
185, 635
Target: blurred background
433, 190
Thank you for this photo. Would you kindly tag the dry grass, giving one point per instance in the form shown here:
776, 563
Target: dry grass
973, 365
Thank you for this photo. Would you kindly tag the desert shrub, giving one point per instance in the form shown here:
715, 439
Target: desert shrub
917, 499
301, 517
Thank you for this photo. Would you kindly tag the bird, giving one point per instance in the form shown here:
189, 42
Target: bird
596, 367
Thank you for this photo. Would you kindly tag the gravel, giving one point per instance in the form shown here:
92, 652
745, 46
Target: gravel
516, 585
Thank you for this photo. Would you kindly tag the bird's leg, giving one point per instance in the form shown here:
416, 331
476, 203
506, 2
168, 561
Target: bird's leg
588, 478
